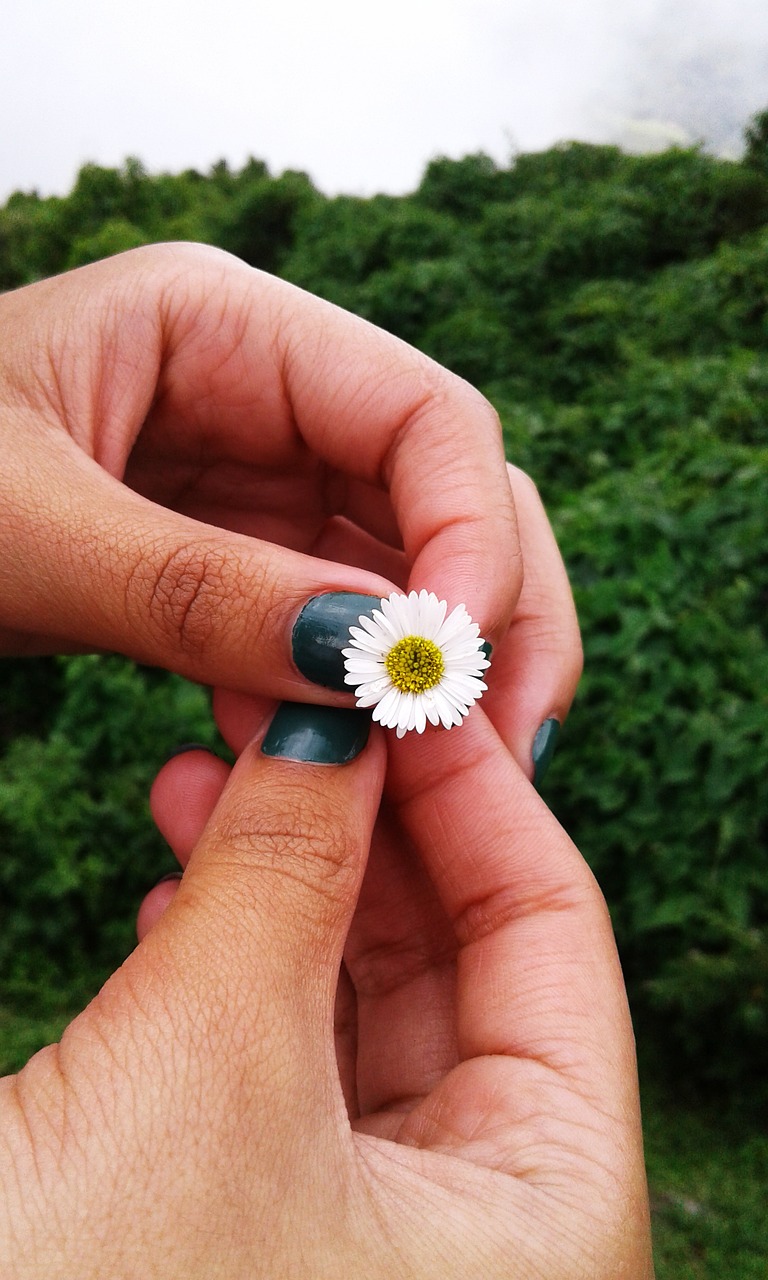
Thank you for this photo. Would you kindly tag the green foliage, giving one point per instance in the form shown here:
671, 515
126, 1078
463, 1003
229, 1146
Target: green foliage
345, 241
669, 562
756, 143
461, 187
78, 848
708, 1175
570, 167
615, 310
260, 222
412, 297
114, 236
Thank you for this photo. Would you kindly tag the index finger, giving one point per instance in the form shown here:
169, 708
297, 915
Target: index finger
377, 408
539, 977
288, 370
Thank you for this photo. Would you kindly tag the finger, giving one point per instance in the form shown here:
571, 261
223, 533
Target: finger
379, 412
395, 1022
528, 916
369, 507
435, 444
183, 797
539, 982
238, 715
345, 542
155, 904
537, 667
115, 572
401, 959
262, 913
395, 1009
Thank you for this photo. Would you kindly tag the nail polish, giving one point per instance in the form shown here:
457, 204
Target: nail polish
321, 632
544, 748
316, 735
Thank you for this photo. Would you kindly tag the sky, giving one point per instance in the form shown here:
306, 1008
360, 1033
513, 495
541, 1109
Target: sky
362, 95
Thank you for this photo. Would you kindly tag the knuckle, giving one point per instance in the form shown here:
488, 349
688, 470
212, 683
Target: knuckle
183, 596
298, 843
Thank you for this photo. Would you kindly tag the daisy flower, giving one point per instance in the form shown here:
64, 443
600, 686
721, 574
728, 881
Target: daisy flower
412, 664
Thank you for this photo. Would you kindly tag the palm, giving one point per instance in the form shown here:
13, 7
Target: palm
285, 503
470, 1029
396, 1020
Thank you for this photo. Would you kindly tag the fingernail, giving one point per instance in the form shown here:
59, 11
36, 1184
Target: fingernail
544, 748
316, 735
487, 649
322, 631
170, 875
187, 746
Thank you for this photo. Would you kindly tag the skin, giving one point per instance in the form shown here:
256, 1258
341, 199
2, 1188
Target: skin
376, 1030
421, 1067
182, 439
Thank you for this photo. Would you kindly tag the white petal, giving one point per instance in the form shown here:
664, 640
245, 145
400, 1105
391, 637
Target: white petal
405, 711
412, 615
433, 616
430, 614
461, 644
464, 685
445, 708
374, 688
361, 663
367, 681
386, 710
367, 625
457, 622
366, 699
387, 621
377, 643
459, 713
430, 707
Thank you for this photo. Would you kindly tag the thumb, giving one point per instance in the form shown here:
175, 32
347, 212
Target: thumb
92, 564
260, 919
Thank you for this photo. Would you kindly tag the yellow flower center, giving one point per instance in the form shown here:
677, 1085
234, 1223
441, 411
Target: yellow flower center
414, 664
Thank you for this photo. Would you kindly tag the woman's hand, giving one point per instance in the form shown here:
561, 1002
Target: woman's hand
483, 1047
176, 431
191, 450
476, 1113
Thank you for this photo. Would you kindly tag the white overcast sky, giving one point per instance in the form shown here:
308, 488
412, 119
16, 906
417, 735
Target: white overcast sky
361, 95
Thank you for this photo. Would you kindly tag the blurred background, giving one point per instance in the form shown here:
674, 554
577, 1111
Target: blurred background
569, 207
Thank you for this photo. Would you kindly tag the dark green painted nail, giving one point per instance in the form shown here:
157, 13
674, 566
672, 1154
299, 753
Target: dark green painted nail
487, 649
316, 735
322, 631
543, 749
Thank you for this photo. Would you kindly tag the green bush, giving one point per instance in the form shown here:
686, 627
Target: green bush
78, 846
661, 777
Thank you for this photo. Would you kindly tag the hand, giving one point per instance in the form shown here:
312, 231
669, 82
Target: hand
476, 1115
191, 450
176, 431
